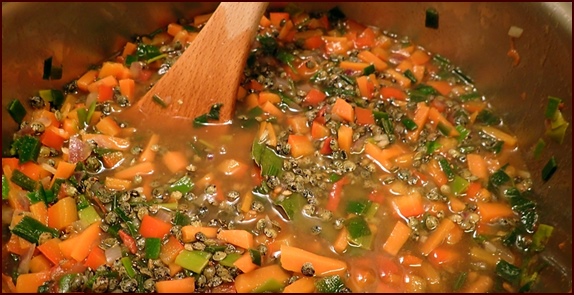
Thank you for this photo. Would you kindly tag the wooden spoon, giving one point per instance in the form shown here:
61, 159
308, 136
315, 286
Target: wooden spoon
207, 73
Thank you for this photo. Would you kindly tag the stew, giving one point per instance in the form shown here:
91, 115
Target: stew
357, 161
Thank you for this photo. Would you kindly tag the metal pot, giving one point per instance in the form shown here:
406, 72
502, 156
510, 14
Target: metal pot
473, 35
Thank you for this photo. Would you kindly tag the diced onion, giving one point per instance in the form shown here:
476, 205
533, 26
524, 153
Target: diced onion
24, 265
136, 69
45, 121
7, 213
515, 32
48, 168
163, 215
92, 97
112, 254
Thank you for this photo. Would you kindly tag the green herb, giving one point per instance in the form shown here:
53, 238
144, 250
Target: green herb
431, 18
524, 207
463, 133
292, 205
487, 118
409, 123
507, 271
499, 178
369, 70
286, 58
446, 168
432, 146
268, 44
146, 52
359, 207
127, 263
331, 284
183, 185
271, 164
230, 259
213, 114
65, 283
552, 107
159, 101
131, 59
347, 79
5, 187
23, 180
37, 196
89, 215
193, 260
152, 248
541, 237
384, 121
31, 229
56, 97
470, 96
410, 76
549, 169
16, 110
357, 227
181, 219
255, 256
28, 148
460, 280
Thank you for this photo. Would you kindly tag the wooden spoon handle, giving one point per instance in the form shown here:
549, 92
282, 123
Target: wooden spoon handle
206, 74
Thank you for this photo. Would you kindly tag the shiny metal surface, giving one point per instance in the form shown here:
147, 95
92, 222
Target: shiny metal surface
473, 35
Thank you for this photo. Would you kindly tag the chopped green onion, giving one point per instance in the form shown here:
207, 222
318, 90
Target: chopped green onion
286, 58
460, 280
443, 129
31, 229
463, 133
152, 248
552, 107
28, 148
432, 146
255, 256
213, 114
384, 121
431, 18
5, 187
446, 168
541, 237
91, 110
470, 96
159, 101
82, 118
36, 196
549, 169
145, 52
487, 117
127, 263
557, 128
56, 97
409, 124
47, 68
183, 185
507, 271
540, 145
369, 70
193, 260
458, 72
16, 110
499, 178
334, 177
347, 79
23, 180
410, 76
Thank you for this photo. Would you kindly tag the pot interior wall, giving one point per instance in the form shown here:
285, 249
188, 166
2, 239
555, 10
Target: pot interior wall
473, 35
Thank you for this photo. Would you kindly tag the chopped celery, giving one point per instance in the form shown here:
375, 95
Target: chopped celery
89, 215
459, 185
372, 210
541, 237
409, 123
432, 146
292, 205
193, 260
127, 263
230, 259
357, 227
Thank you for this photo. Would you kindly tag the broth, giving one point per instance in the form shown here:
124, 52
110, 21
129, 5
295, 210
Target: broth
377, 162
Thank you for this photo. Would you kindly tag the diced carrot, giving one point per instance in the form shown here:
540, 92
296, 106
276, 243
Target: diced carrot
473, 190
51, 250
509, 140
277, 17
264, 22
84, 242
437, 118
315, 96
254, 85
46, 114
404, 66
300, 145
443, 87
313, 42
298, 124
105, 93
40, 212
117, 183
454, 235
341, 243
175, 161
383, 157
148, 155
70, 126
152, 227
129, 49
108, 126
246, 202
13, 163
392, 92
482, 284
185, 285
249, 282
188, 232
108, 142
398, 237
29, 282
53, 137
88, 78
144, 168
400, 78
421, 117
286, 32
364, 116
173, 29
473, 106
239, 237
271, 109
371, 58
233, 168
245, 263
456, 205
344, 110
266, 96
336, 45
128, 88
303, 285
96, 258
491, 211
408, 205
115, 69
63, 213
319, 131
354, 66
40, 263
366, 87
31, 170
63, 171
477, 166
267, 134
293, 258
174, 269
170, 250
436, 173
345, 138
13, 246
112, 159
436, 238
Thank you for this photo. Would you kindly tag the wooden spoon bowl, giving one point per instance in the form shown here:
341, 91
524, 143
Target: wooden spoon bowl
207, 73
